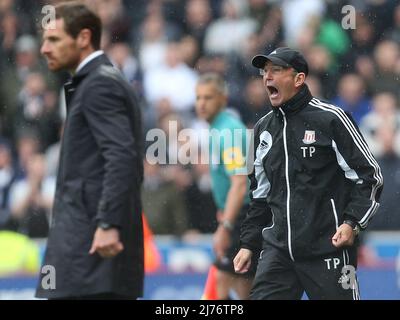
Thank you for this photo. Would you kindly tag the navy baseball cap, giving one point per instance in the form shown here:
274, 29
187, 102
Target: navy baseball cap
283, 56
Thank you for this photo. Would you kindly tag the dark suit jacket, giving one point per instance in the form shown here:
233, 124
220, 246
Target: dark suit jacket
99, 177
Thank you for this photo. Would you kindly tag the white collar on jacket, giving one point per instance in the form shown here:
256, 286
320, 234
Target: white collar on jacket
89, 58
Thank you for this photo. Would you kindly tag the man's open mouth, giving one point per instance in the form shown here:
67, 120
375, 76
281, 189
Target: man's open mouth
273, 91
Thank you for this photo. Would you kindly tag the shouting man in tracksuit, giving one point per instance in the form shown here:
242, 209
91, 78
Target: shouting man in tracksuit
314, 186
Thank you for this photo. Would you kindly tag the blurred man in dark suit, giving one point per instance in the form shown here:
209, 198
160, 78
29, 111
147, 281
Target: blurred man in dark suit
96, 238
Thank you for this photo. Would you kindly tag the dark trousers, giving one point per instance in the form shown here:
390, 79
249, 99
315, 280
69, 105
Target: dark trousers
330, 277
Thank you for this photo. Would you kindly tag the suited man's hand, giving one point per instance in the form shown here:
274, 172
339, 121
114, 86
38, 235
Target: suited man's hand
106, 243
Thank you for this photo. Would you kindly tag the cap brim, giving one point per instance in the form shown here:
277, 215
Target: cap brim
260, 60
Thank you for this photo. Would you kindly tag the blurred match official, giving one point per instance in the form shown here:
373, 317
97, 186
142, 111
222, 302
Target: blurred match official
229, 183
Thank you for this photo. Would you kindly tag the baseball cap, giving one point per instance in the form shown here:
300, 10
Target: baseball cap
283, 56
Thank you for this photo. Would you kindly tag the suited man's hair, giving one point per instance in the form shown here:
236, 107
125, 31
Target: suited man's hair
77, 16
216, 80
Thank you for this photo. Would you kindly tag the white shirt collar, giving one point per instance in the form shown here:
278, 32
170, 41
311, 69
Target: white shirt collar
89, 58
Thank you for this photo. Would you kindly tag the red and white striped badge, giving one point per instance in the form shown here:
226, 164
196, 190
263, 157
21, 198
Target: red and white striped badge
309, 137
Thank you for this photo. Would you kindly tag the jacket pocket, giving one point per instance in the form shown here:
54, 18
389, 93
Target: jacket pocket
335, 215
265, 229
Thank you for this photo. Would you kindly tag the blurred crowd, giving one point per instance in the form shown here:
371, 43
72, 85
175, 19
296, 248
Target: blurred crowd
162, 46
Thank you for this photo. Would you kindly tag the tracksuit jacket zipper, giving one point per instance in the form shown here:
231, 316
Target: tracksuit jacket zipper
287, 185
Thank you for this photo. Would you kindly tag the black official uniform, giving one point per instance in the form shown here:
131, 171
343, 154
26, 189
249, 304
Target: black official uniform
312, 171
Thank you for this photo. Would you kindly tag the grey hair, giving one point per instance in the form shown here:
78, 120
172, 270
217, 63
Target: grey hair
216, 80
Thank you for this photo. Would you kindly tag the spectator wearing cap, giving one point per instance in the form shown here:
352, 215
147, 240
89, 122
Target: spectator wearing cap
314, 186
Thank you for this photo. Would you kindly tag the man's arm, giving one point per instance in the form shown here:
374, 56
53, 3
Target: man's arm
105, 107
360, 166
233, 205
235, 197
259, 214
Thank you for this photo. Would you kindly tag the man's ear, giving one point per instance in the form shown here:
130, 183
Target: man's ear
299, 79
84, 38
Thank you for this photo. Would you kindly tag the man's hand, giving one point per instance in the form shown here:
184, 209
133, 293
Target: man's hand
242, 260
344, 236
106, 243
221, 241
